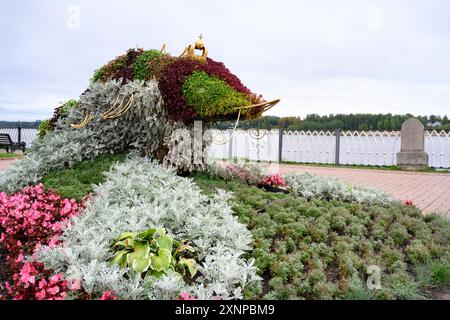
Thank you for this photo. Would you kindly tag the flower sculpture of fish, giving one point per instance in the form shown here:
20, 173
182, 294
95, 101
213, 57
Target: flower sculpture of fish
140, 98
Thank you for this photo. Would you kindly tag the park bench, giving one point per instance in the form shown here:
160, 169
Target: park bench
10, 146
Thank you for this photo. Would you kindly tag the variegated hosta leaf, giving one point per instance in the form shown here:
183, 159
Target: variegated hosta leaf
120, 258
142, 265
165, 242
190, 264
161, 261
141, 250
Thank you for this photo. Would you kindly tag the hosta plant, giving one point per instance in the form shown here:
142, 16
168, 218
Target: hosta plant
153, 252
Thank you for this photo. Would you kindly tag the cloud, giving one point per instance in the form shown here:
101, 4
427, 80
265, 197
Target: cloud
318, 57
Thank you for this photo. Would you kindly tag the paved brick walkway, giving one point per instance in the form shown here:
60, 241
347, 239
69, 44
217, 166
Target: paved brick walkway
429, 191
5, 164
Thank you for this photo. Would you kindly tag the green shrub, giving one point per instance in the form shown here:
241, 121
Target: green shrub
44, 128
320, 249
434, 273
98, 74
140, 67
211, 96
60, 112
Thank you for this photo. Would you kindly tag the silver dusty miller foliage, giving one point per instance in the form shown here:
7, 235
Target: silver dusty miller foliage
141, 194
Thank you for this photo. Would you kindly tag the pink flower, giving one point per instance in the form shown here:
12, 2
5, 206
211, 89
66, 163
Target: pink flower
54, 290
42, 284
57, 227
40, 295
20, 258
74, 284
55, 278
29, 219
108, 295
273, 180
185, 296
25, 278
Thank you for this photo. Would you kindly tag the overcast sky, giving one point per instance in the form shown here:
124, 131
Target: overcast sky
323, 56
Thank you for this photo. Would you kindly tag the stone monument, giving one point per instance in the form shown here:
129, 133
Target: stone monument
412, 155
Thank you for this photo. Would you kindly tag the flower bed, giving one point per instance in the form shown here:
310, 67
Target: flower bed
29, 219
139, 195
321, 247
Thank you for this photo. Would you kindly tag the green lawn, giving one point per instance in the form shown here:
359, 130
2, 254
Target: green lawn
76, 182
9, 156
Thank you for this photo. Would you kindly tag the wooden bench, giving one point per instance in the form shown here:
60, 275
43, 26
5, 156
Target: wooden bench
10, 146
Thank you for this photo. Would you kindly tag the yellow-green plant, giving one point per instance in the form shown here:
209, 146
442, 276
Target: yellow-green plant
211, 96
153, 252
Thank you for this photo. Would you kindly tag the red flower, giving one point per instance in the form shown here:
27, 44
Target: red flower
408, 203
109, 295
274, 180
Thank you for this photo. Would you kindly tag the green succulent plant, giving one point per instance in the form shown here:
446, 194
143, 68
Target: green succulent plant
153, 252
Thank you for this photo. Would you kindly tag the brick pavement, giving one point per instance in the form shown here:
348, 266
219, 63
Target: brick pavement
429, 191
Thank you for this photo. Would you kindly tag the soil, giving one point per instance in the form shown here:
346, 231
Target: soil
442, 293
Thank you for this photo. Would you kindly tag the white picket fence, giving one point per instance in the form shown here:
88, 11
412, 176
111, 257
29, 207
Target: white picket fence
372, 148
26, 135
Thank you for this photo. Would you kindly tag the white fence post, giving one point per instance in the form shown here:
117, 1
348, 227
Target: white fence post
337, 149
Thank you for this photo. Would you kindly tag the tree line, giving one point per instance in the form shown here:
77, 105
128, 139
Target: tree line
23, 124
359, 122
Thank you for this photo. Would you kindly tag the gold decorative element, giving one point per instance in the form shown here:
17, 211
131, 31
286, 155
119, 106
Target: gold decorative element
189, 51
118, 111
225, 141
163, 49
257, 134
114, 106
265, 106
84, 123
